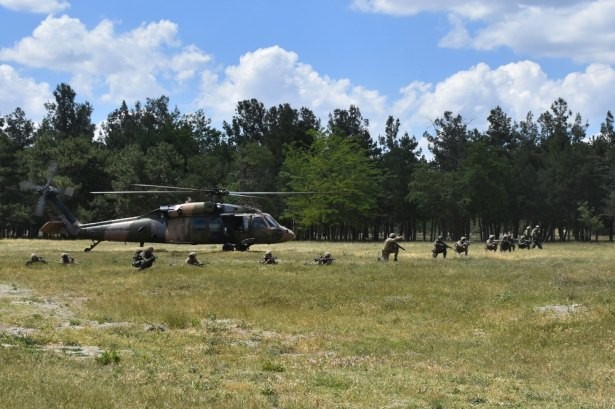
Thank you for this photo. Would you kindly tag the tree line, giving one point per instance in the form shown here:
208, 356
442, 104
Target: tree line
543, 170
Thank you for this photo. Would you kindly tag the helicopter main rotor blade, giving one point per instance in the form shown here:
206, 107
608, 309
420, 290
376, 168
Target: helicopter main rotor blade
25, 185
133, 192
189, 189
40, 206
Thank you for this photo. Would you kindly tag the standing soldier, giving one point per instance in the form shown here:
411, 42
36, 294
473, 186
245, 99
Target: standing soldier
536, 237
439, 246
462, 245
192, 260
391, 246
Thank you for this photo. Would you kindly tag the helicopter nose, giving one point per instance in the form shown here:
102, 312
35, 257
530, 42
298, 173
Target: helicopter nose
287, 235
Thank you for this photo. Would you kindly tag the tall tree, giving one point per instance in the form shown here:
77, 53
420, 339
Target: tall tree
448, 143
340, 168
397, 161
350, 123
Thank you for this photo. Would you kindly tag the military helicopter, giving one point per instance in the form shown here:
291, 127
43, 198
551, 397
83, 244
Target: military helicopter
236, 227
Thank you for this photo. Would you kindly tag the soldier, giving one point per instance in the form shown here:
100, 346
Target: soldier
439, 246
325, 259
192, 260
491, 243
536, 237
35, 259
268, 258
143, 259
525, 242
462, 245
391, 246
65, 258
507, 243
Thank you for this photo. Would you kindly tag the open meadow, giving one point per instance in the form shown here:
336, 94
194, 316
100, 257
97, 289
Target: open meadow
527, 329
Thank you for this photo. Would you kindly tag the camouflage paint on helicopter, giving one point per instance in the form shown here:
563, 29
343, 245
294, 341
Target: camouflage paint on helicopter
234, 226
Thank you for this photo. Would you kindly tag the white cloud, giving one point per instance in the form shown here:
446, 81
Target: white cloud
579, 30
139, 63
517, 88
275, 76
20, 92
35, 6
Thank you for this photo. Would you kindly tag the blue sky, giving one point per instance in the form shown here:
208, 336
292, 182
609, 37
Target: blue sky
412, 59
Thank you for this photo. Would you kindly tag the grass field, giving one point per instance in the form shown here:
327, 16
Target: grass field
529, 329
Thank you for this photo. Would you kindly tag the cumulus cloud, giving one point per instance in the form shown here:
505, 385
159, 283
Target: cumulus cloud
579, 30
275, 76
517, 88
21, 92
127, 66
35, 6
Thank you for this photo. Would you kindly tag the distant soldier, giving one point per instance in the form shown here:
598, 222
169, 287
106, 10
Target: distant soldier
462, 245
525, 242
527, 231
491, 244
65, 258
143, 259
268, 258
439, 246
325, 259
35, 259
391, 246
507, 243
536, 237
192, 260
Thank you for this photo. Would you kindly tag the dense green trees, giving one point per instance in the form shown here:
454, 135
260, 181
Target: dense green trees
538, 171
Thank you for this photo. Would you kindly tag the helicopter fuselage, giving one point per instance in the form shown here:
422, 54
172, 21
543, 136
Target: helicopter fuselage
191, 223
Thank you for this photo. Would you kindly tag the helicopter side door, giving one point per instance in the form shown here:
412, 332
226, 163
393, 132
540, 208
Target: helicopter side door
236, 227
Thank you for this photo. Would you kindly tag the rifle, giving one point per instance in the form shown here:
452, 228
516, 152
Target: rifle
397, 244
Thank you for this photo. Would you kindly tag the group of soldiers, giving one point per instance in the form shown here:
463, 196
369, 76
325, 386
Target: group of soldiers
65, 258
323, 260
531, 238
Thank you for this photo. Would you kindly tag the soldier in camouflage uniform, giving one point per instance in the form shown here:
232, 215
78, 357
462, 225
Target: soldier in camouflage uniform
143, 259
192, 260
525, 242
268, 258
65, 258
491, 243
325, 259
462, 245
507, 243
439, 246
536, 237
391, 246
35, 259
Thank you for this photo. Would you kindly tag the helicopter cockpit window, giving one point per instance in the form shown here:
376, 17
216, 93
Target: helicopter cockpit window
258, 223
270, 220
